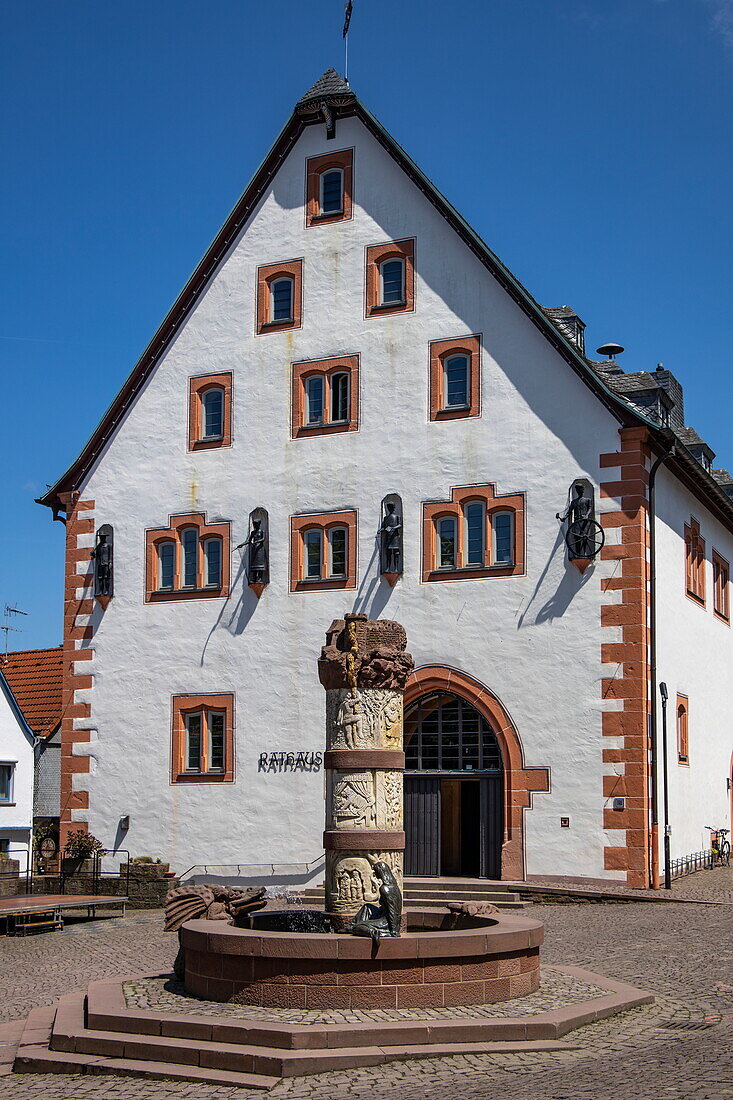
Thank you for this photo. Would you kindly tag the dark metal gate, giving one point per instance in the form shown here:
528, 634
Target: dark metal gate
422, 825
492, 825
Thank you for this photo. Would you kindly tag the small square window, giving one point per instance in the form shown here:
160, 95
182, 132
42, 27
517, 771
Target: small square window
279, 296
325, 396
323, 551
329, 188
390, 278
203, 739
6, 782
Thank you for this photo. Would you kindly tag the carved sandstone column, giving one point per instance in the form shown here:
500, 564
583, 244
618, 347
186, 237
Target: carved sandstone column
363, 668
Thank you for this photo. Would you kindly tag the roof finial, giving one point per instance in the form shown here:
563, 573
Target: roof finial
349, 7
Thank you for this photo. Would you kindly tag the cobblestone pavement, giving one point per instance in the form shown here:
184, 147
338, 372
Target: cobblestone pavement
680, 1048
714, 885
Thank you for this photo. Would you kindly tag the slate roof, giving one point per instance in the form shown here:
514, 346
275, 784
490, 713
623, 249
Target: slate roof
34, 677
331, 83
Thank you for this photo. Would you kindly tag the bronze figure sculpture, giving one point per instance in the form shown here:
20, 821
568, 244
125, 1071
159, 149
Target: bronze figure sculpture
390, 533
102, 556
583, 536
384, 919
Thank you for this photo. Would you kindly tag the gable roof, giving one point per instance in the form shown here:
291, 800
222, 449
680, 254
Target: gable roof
17, 712
329, 99
35, 677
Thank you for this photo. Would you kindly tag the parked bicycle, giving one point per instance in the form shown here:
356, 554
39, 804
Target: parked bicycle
719, 845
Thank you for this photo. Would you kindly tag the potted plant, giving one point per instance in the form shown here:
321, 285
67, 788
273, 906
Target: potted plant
79, 850
149, 867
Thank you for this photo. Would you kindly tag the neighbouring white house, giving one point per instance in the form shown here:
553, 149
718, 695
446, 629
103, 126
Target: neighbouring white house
17, 765
350, 348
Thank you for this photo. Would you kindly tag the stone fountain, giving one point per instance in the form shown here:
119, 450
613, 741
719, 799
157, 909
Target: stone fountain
361, 951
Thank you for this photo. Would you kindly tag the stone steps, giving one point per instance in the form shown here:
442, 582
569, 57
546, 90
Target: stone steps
432, 892
95, 1033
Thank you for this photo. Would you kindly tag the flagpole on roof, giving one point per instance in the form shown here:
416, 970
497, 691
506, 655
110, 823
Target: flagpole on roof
348, 8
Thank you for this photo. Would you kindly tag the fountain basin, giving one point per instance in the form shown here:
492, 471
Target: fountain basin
443, 959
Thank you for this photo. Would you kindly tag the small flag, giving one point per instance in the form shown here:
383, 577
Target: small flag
347, 17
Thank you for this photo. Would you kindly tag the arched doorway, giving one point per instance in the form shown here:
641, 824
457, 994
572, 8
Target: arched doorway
519, 782
453, 789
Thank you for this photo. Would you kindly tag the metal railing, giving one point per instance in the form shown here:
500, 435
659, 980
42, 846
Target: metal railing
687, 865
252, 870
97, 873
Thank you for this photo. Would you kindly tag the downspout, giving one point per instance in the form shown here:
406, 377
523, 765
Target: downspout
653, 667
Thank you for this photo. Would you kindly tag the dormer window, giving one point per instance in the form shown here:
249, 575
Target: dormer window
212, 402
392, 274
332, 191
281, 299
390, 277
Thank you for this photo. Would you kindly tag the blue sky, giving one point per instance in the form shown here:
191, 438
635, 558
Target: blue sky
588, 141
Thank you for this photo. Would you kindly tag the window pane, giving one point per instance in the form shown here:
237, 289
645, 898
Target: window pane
213, 401
331, 192
446, 542
314, 392
393, 281
340, 397
337, 539
456, 380
475, 533
166, 564
193, 742
503, 538
190, 541
6, 771
282, 300
212, 551
313, 553
216, 740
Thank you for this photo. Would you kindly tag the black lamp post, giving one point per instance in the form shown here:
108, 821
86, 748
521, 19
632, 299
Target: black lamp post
667, 864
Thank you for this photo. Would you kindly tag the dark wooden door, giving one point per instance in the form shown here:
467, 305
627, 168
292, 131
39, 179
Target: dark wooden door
492, 826
422, 825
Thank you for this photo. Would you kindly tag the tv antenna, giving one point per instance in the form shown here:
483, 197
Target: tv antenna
6, 624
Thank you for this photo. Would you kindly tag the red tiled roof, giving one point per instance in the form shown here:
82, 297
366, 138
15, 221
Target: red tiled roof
34, 676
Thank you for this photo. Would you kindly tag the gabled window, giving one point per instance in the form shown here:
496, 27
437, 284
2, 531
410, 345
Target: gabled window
323, 551
279, 296
325, 396
392, 282
694, 562
390, 277
332, 191
683, 734
203, 738
455, 379
721, 587
329, 187
210, 411
188, 559
476, 534
6, 783
281, 299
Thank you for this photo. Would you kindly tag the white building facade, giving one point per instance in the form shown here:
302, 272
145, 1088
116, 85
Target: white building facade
17, 760
348, 339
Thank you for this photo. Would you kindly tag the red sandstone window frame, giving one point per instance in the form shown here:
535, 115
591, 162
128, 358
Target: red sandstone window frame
316, 168
267, 274
694, 562
183, 706
440, 351
197, 387
323, 522
682, 718
721, 587
328, 368
494, 504
376, 254
155, 537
